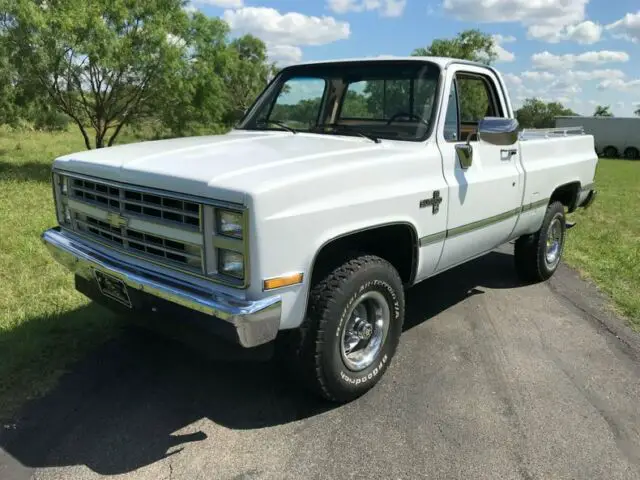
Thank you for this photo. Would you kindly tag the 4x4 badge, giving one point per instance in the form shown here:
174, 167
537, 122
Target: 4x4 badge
434, 202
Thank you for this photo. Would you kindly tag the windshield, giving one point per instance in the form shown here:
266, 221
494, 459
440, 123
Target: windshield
392, 100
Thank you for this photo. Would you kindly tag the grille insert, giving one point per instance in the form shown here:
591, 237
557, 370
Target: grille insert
146, 205
142, 243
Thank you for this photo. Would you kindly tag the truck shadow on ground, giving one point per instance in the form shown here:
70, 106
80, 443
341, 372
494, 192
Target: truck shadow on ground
120, 408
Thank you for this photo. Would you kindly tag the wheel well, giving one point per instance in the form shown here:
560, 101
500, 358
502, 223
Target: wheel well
567, 195
396, 243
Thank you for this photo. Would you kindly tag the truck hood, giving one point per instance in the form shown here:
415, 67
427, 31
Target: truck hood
224, 167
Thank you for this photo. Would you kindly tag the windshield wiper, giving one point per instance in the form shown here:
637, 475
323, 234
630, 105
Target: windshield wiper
280, 124
347, 128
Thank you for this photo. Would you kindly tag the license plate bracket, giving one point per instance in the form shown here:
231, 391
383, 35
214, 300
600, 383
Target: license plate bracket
113, 288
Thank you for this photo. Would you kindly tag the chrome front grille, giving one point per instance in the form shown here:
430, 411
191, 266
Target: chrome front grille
175, 230
171, 251
141, 222
145, 205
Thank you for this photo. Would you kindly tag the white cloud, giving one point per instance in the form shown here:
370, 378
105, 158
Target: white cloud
546, 60
627, 27
619, 84
286, 29
538, 76
284, 55
546, 19
502, 54
387, 8
584, 33
513, 80
576, 75
503, 39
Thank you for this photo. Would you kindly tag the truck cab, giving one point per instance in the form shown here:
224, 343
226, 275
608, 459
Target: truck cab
346, 183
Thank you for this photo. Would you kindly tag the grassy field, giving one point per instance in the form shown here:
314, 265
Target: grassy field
605, 245
45, 325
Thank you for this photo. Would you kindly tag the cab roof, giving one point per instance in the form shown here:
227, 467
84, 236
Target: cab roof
442, 62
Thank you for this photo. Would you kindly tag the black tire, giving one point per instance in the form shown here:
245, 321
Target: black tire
610, 152
315, 349
532, 263
632, 153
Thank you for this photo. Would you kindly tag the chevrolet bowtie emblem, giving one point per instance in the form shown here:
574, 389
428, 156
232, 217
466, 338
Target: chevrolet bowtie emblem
116, 220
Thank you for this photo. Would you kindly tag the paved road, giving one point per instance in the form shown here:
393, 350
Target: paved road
492, 380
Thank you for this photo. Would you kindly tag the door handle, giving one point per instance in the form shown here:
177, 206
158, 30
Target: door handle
506, 155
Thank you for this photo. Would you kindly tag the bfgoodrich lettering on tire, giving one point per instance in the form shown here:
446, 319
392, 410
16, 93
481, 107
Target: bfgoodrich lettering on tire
352, 329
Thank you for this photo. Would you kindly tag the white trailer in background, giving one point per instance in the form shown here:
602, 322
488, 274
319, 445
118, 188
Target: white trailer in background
614, 136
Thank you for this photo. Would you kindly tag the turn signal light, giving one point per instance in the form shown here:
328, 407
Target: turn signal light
279, 282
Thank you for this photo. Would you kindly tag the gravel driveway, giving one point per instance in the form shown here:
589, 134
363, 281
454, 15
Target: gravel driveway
492, 380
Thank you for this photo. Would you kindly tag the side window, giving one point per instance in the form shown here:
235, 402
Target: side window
451, 125
477, 99
298, 104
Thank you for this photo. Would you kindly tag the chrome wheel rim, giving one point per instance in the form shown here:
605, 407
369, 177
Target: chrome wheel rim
365, 331
554, 243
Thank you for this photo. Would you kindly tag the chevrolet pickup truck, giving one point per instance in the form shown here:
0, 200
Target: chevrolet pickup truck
345, 183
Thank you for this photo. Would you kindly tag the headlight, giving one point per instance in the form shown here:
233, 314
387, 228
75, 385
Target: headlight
229, 223
230, 263
61, 196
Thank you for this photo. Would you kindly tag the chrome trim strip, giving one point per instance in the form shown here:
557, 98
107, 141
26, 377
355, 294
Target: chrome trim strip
461, 230
256, 322
435, 238
532, 206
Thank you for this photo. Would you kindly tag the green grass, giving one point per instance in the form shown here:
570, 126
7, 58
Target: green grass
605, 245
44, 323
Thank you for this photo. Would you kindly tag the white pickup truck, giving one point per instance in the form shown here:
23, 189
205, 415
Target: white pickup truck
344, 184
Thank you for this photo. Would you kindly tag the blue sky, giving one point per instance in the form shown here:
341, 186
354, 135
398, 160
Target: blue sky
580, 52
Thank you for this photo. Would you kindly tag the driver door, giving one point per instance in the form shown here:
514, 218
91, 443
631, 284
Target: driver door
484, 197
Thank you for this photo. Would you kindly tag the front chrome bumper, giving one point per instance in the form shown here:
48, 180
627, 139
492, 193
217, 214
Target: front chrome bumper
254, 322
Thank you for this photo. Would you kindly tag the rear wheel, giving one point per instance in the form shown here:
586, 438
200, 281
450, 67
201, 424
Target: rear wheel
610, 152
632, 153
538, 255
352, 329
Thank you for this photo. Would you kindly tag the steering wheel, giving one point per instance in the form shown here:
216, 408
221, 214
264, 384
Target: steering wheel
408, 115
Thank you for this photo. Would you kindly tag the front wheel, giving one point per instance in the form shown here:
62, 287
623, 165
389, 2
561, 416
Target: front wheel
352, 329
537, 256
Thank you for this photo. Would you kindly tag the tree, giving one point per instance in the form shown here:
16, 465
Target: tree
247, 74
603, 111
471, 45
637, 112
537, 114
101, 63
216, 82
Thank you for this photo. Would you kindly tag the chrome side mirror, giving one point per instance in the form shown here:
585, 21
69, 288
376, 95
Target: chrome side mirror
498, 131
